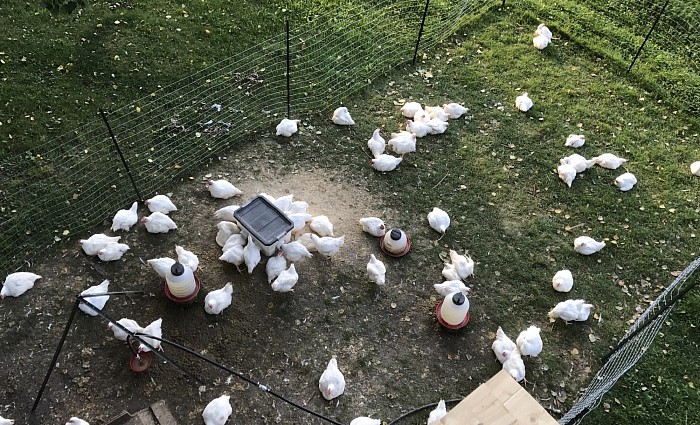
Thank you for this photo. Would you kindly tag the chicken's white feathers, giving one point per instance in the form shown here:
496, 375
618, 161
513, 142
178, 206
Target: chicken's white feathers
376, 144
124, 219
18, 283
158, 223
515, 366
563, 281
575, 140
438, 413
523, 102
439, 220
295, 251
577, 161
305, 239
251, 255
155, 329
76, 421
341, 116
217, 411
298, 207
609, 161
373, 225
502, 346
275, 265
236, 239
112, 252
97, 301
449, 272
420, 129
225, 230
625, 181
222, 189
287, 127
543, 30
365, 420
540, 41
226, 213
529, 342
455, 110
321, 225
402, 146
450, 287
299, 220
386, 162
586, 245
187, 258
464, 265
286, 280
328, 246
409, 109
567, 173
332, 382
161, 204
161, 265
131, 325
437, 112
96, 242
233, 255
695, 168
376, 270
216, 301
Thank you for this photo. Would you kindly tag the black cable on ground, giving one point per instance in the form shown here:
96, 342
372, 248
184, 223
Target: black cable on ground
420, 409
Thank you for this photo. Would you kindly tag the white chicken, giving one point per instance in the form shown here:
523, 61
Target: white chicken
543, 30
158, 223
112, 252
225, 230
97, 301
187, 258
222, 189
609, 161
124, 219
155, 329
373, 225
161, 265
695, 168
436, 112
523, 102
376, 144
161, 204
420, 129
540, 41
275, 265
587, 246
438, 413
96, 242
625, 181
341, 116
328, 246
236, 239
365, 420
216, 301
305, 239
529, 342
76, 421
233, 255
130, 325
409, 109
563, 281
403, 134
376, 270
502, 346
451, 286
402, 146
226, 213
217, 411
575, 140
515, 366
299, 220
455, 110
464, 265
251, 255
321, 225
437, 126
567, 173
284, 203
332, 382
421, 117
583, 312
439, 220
287, 127
18, 283
286, 280
571, 310
386, 162
298, 207
577, 161
449, 272
5, 421
295, 251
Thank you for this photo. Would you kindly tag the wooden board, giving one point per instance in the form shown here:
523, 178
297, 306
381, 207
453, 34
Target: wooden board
498, 401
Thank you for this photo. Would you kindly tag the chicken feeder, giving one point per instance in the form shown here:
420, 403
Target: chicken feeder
264, 222
395, 243
453, 311
141, 362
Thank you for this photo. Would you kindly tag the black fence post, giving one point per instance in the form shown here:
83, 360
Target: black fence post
420, 32
503, 3
289, 103
639, 51
119, 151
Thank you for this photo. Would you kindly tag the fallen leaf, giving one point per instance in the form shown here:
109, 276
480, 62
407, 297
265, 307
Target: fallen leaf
676, 273
592, 338
574, 351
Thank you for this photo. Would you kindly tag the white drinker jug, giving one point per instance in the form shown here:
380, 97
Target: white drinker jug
180, 280
454, 308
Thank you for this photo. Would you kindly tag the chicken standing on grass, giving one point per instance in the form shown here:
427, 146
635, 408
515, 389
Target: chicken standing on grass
609, 161
332, 382
464, 265
567, 173
124, 219
409, 109
287, 127
341, 116
625, 181
586, 246
402, 146
439, 220
216, 301
96, 242
575, 140
515, 366
455, 110
577, 161
563, 281
97, 301
438, 413
376, 144
570, 310
523, 102
695, 168
529, 342
158, 223
386, 162
161, 204
18, 283
222, 189
502, 346
373, 225
217, 411
376, 270
286, 280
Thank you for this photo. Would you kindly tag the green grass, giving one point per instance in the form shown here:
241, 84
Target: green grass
494, 172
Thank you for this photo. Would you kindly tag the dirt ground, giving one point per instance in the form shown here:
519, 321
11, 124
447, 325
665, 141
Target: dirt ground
394, 354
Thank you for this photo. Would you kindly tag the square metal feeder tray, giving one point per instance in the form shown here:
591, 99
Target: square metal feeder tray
264, 222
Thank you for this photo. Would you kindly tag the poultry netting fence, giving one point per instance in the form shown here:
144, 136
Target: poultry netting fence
618, 28
632, 346
72, 183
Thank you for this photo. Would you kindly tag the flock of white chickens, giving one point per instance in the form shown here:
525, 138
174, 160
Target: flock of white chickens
316, 234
